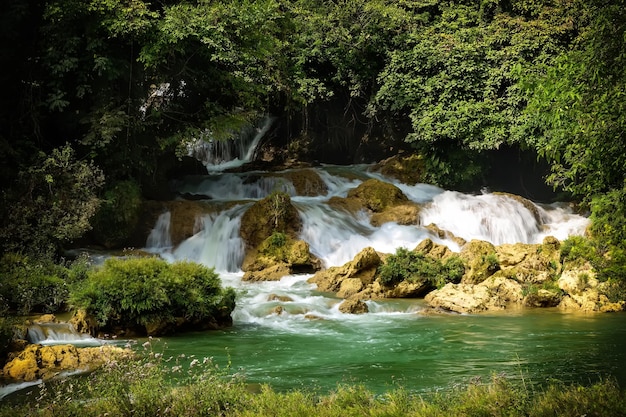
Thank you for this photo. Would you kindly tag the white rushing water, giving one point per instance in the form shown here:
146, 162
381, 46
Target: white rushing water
58, 334
336, 236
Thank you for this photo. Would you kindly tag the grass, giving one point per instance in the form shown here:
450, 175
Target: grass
160, 386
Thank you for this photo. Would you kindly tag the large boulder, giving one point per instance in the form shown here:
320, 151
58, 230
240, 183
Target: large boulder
481, 261
408, 169
495, 293
363, 268
353, 306
531, 263
307, 182
43, 362
278, 256
274, 213
376, 195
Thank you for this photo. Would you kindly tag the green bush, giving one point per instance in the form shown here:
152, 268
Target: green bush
32, 285
118, 215
578, 249
142, 293
406, 265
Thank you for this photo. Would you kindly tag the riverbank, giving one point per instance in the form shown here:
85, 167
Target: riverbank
144, 389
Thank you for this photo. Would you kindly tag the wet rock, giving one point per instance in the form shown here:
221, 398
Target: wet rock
495, 293
277, 257
37, 361
543, 298
353, 306
363, 267
282, 298
404, 214
377, 195
307, 182
274, 213
528, 205
481, 261
434, 250
408, 169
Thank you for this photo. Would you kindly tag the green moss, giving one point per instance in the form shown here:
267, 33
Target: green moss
377, 195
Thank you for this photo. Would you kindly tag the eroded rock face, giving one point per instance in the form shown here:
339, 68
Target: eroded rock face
480, 261
43, 362
385, 202
495, 293
272, 260
363, 268
408, 169
353, 306
307, 182
274, 213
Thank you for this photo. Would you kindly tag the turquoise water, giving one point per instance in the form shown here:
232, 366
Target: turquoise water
419, 352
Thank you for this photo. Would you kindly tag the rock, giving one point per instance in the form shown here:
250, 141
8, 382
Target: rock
543, 298
282, 298
84, 323
404, 214
46, 318
531, 263
274, 213
574, 281
37, 361
495, 293
406, 289
408, 169
307, 182
350, 287
363, 267
278, 256
377, 195
481, 261
434, 250
353, 306
278, 310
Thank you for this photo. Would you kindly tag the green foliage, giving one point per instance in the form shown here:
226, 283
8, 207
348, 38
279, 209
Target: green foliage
578, 249
30, 284
413, 267
139, 293
52, 203
118, 214
144, 388
575, 116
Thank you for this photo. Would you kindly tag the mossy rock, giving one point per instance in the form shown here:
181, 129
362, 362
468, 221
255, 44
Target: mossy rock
307, 182
408, 169
377, 195
274, 213
481, 261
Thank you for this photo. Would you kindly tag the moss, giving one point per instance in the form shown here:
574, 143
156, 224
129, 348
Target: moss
377, 195
406, 169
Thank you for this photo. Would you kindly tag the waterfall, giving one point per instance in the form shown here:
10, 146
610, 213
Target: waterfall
218, 155
217, 244
160, 237
58, 333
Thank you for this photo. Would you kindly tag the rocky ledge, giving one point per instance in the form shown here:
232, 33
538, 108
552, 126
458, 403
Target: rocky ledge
494, 278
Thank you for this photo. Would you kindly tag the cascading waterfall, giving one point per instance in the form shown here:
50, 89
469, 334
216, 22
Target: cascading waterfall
218, 155
336, 236
58, 333
160, 237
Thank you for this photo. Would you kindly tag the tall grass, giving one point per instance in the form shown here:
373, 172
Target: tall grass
157, 385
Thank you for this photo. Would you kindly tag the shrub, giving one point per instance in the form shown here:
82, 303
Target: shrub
31, 285
412, 266
578, 249
148, 295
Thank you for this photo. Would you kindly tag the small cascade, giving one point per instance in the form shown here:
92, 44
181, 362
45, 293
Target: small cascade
218, 155
217, 243
58, 333
492, 217
235, 186
160, 237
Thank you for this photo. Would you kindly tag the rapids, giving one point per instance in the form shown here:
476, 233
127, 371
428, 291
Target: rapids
311, 344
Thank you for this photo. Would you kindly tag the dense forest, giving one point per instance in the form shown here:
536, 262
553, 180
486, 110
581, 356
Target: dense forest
103, 98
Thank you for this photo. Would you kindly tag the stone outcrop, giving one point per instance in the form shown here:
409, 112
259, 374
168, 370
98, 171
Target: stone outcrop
277, 257
274, 213
353, 306
480, 261
43, 362
383, 201
307, 182
408, 169
361, 269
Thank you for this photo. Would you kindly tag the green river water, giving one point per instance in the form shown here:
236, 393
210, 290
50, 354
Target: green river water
421, 353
